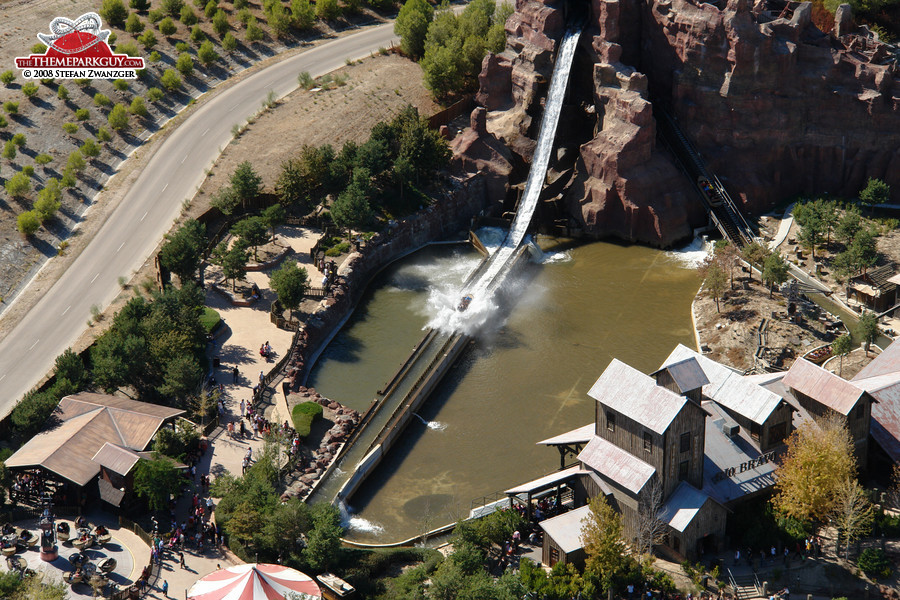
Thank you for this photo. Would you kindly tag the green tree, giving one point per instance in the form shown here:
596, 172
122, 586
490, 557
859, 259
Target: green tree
185, 64
775, 271
197, 35
812, 226
28, 223
233, 261
601, 536
30, 89
207, 53
167, 27
226, 200
875, 192
273, 216
18, 185
848, 225
842, 346
187, 16
328, 10
134, 25
9, 149
351, 210
290, 283
82, 114
818, 460
114, 12
212, 6
172, 7
253, 232
246, 182
19, 140
863, 249
140, 5
182, 251
229, 43
715, 280
155, 94
118, 117
7, 77
70, 367
11, 107
170, 80
138, 108
156, 480
48, 201
755, 253
182, 379
303, 15
103, 135
412, 26
62, 93
278, 20
324, 540
220, 23
101, 100
867, 329
43, 159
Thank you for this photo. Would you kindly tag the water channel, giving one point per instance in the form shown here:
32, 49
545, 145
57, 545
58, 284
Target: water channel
525, 381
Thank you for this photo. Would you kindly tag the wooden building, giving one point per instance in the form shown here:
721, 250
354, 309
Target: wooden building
874, 288
89, 433
562, 538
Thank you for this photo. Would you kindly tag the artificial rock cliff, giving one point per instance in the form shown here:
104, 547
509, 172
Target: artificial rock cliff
775, 106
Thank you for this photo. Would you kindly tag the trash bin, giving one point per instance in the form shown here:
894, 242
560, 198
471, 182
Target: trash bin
216, 362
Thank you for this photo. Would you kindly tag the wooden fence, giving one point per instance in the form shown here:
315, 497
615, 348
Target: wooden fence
464, 106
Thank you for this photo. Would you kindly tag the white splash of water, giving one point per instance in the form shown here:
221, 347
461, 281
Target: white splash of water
357, 523
435, 425
693, 254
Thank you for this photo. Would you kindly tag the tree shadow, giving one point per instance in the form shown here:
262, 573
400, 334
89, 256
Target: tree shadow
40, 103
22, 120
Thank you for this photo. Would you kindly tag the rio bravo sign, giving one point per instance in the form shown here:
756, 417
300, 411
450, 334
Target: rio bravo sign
78, 50
745, 466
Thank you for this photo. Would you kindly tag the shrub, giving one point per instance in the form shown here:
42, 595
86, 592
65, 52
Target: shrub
134, 25
90, 149
70, 128
19, 140
48, 200
207, 53
210, 9
240, 4
62, 93
170, 80
114, 12
306, 80
7, 77
188, 16
338, 249
875, 563
81, 82
3, 122
304, 415
9, 150
103, 135
111, 40
303, 15
76, 162
120, 85
11, 107
182, 47
172, 7
185, 64
220, 23
154, 57
28, 223
48, 81
101, 99
82, 114
328, 10
38, 49
156, 15
43, 159
209, 319
154, 95
118, 117
140, 5
30, 89
197, 34
28, 170
18, 185
138, 107
167, 27
148, 40
244, 16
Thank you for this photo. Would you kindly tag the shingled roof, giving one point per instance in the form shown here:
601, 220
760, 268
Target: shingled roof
616, 465
823, 386
84, 422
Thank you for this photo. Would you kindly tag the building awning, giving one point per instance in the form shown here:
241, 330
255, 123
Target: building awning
565, 529
582, 435
682, 506
547, 481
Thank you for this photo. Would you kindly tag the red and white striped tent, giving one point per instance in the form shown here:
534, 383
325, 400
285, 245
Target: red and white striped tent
254, 582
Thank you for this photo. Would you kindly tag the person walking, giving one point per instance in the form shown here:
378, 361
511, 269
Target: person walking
235, 375
165, 588
262, 377
243, 408
181, 557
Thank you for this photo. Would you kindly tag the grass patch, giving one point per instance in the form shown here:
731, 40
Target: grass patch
209, 319
338, 249
304, 415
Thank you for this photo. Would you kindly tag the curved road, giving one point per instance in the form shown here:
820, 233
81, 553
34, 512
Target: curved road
149, 209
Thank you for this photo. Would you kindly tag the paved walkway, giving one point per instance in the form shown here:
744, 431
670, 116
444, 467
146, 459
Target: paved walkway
783, 228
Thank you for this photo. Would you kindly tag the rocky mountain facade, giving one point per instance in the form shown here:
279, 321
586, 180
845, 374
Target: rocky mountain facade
775, 106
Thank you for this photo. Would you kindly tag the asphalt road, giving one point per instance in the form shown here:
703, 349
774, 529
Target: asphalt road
150, 208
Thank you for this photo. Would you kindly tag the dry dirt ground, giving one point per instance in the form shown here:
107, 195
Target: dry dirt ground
377, 88
41, 118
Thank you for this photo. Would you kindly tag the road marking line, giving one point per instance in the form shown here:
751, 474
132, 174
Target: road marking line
34, 344
95, 277
2, 378
164, 187
67, 310
184, 159
234, 107
145, 215
120, 247
205, 132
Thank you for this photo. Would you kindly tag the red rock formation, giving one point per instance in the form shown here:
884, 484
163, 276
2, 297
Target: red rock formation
776, 107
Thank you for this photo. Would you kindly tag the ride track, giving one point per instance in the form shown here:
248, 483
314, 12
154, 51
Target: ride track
132, 231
